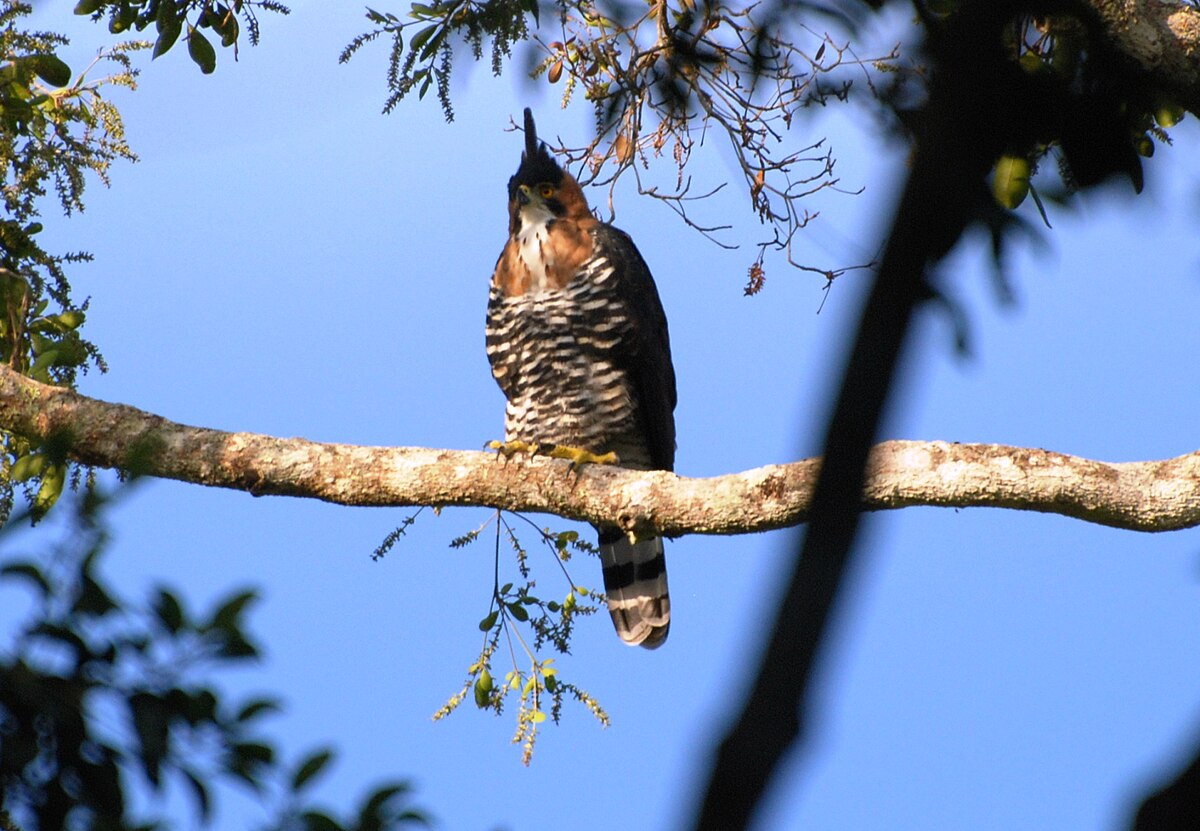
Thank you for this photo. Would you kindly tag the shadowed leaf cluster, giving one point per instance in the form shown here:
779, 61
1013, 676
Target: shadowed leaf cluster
99, 695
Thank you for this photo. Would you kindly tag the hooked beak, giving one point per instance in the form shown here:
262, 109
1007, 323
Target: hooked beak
524, 195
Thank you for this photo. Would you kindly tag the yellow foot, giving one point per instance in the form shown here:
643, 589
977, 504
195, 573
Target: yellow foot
577, 456
508, 449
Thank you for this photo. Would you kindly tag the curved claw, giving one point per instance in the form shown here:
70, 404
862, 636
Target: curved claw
577, 456
508, 449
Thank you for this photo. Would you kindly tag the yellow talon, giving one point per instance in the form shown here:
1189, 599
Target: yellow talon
577, 456
508, 449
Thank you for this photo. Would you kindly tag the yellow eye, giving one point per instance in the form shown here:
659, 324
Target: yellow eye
546, 191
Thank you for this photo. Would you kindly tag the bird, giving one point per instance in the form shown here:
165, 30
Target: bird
577, 340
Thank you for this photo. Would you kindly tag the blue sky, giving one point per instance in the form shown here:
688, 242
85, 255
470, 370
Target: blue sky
287, 260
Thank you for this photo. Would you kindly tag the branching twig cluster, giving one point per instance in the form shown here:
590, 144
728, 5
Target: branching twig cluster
661, 78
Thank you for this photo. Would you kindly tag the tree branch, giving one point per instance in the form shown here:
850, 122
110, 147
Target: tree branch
1144, 496
1163, 38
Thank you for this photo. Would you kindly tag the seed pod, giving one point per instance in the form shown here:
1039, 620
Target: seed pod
555, 72
483, 690
623, 148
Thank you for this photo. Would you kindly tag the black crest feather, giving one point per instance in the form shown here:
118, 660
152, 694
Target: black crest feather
537, 165
531, 142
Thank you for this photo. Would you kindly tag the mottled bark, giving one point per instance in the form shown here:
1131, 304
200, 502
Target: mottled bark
1146, 496
1162, 38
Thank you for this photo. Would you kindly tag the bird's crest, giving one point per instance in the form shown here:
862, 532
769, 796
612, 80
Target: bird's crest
537, 165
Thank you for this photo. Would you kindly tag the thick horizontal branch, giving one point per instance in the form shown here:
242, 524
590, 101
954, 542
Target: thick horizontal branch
1161, 37
1145, 496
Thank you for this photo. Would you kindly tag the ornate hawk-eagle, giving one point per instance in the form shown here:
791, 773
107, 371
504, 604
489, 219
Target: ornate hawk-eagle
577, 340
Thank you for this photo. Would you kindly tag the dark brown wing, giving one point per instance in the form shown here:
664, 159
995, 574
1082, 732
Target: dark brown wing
646, 354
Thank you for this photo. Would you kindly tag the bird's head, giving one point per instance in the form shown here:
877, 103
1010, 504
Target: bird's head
541, 191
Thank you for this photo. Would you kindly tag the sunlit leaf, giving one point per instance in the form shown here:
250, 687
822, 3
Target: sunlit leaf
51, 69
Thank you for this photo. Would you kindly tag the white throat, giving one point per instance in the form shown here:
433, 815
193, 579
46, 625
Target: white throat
535, 230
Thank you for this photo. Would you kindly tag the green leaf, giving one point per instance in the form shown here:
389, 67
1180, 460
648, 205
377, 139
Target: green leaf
229, 31
167, 16
375, 803
53, 479
101, 781
1010, 184
169, 24
258, 707
483, 689
235, 645
197, 707
228, 615
30, 572
310, 767
69, 320
418, 40
62, 634
88, 6
166, 39
201, 51
1168, 113
169, 611
316, 821
259, 754
152, 724
247, 760
44, 361
489, 621
432, 46
518, 612
200, 792
28, 466
93, 599
51, 69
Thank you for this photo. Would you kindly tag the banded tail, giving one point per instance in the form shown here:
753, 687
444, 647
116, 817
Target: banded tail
635, 580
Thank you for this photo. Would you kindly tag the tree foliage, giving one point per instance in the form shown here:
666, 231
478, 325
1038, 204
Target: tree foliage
1064, 108
659, 78
55, 129
97, 693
